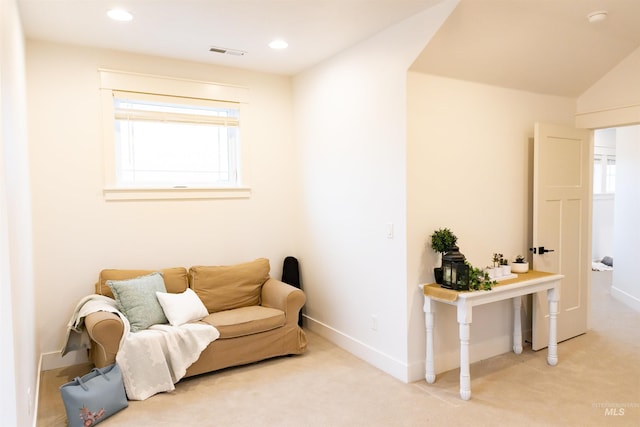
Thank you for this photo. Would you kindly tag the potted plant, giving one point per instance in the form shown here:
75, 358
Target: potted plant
441, 241
496, 259
504, 265
519, 265
496, 270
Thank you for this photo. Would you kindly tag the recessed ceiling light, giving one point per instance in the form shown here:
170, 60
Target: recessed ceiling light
278, 44
119, 15
597, 16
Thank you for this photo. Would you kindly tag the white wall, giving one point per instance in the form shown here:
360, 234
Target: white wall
78, 233
350, 120
626, 285
18, 357
469, 167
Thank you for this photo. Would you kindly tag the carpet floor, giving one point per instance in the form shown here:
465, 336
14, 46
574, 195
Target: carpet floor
596, 383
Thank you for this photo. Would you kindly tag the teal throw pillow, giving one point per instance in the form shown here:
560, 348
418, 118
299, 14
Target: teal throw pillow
137, 300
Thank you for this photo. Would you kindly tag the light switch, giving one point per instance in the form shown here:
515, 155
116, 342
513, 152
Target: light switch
390, 230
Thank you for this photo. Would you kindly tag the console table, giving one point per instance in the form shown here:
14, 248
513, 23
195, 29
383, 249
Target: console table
524, 284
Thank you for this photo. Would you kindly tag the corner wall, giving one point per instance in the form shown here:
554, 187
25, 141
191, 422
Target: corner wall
351, 135
18, 357
469, 168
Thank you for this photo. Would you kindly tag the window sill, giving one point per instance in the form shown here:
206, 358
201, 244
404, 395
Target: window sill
195, 193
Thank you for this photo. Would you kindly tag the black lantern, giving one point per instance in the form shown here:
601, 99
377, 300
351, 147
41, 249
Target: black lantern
455, 271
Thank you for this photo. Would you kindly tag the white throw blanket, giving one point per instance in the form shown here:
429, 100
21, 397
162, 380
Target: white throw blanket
152, 360
77, 337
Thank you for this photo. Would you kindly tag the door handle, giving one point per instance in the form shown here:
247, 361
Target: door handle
540, 250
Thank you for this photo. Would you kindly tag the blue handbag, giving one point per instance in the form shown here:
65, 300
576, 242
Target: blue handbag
94, 397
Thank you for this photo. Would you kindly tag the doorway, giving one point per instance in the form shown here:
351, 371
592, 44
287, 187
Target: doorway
619, 210
604, 180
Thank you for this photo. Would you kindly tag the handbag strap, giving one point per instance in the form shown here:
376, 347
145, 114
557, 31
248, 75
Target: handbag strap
102, 371
82, 384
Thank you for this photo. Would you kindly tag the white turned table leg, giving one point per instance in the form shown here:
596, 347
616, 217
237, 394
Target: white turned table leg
430, 374
465, 376
517, 326
552, 352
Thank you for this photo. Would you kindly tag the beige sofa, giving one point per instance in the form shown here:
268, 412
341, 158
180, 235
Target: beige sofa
256, 315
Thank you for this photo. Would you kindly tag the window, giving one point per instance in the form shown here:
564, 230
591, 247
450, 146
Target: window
604, 174
174, 144
169, 138
610, 180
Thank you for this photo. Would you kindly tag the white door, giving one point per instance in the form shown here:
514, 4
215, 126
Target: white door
561, 223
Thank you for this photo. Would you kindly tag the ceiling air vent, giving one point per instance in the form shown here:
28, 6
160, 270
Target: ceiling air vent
234, 52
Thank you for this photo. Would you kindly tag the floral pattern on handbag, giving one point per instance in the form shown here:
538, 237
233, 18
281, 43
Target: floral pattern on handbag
94, 397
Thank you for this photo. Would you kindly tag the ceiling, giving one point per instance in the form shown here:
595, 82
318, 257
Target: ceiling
544, 46
186, 29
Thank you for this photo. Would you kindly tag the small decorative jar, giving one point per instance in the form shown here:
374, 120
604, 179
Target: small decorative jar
519, 267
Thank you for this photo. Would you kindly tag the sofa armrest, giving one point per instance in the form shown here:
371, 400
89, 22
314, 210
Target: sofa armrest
105, 330
277, 294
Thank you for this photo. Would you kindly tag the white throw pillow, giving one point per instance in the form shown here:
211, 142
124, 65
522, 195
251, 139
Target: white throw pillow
182, 308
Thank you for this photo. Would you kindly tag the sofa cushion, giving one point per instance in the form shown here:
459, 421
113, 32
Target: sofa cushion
245, 321
175, 279
137, 300
182, 308
227, 287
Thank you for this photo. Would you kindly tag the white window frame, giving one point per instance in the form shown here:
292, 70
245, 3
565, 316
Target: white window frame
602, 155
120, 81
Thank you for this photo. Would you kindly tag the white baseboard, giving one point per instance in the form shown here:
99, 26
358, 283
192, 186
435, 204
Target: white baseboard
54, 360
382, 361
36, 397
414, 371
625, 298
